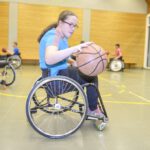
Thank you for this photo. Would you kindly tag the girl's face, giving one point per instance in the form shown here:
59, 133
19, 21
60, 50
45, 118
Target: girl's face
14, 45
68, 26
116, 47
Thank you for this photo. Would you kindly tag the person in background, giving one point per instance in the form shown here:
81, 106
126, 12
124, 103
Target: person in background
117, 55
16, 50
118, 52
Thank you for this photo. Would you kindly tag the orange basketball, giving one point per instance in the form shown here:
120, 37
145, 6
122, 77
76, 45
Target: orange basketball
92, 60
4, 50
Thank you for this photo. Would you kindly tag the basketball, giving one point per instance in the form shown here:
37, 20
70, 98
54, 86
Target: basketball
92, 60
4, 50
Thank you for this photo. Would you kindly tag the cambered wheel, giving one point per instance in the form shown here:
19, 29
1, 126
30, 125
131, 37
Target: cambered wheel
56, 107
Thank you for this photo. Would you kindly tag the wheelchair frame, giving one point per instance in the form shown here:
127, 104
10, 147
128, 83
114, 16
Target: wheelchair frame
14, 60
59, 111
7, 73
116, 65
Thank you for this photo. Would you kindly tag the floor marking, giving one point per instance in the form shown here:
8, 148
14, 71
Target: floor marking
127, 102
121, 91
141, 97
11, 95
107, 95
105, 101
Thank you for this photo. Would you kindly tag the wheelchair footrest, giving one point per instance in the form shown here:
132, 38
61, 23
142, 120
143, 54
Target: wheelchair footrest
104, 119
94, 118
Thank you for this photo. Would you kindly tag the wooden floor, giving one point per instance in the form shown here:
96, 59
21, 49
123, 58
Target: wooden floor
126, 96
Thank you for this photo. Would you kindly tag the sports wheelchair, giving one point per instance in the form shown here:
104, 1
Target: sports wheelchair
116, 65
57, 107
7, 73
15, 60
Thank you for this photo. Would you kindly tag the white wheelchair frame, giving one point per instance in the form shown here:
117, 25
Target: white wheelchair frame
116, 65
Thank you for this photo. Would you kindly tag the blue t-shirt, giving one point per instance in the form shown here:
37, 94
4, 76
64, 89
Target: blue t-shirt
47, 40
16, 51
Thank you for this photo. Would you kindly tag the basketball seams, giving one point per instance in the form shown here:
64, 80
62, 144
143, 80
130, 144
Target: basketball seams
100, 56
92, 60
88, 53
88, 62
102, 60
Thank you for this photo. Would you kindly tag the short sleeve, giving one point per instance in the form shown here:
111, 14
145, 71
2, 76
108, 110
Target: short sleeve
50, 41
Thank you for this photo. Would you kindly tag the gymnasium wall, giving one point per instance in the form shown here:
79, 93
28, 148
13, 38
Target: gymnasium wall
103, 26
4, 12
148, 5
133, 6
128, 29
33, 19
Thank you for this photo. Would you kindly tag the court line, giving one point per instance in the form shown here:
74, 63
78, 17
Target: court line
123, 88
105, 101
127, 102
11, 95
107, 95
141, 97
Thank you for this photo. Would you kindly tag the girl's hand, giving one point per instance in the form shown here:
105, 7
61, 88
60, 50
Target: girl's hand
79, 47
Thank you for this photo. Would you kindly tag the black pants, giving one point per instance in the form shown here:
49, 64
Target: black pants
73, 73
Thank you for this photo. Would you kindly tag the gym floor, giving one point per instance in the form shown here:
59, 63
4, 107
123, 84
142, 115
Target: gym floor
126, 96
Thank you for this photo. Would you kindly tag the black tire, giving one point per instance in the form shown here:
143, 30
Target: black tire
57, 111
10, 74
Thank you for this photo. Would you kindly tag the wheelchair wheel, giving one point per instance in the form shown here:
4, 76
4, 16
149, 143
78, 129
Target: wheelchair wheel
15, 60
116, 65
9, 74
56, 107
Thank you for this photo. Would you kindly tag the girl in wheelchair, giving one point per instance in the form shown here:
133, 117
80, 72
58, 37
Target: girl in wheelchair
117, 54
57, 104
117, 63
54, 53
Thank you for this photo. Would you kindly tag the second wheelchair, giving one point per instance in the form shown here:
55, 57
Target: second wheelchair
15, 60
7, 73
116, 65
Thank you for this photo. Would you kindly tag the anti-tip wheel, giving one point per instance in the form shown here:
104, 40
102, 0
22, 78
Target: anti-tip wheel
100, 125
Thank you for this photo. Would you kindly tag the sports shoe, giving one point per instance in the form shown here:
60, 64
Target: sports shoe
95, 113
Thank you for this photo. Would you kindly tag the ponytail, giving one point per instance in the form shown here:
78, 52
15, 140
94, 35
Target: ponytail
54, 25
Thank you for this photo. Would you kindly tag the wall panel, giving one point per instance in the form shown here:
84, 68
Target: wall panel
108, 28
4, 14
33, 19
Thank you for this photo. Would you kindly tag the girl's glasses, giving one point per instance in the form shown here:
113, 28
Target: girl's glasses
71, 25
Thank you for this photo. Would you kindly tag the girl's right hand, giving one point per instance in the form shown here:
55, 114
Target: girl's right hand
79, 47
